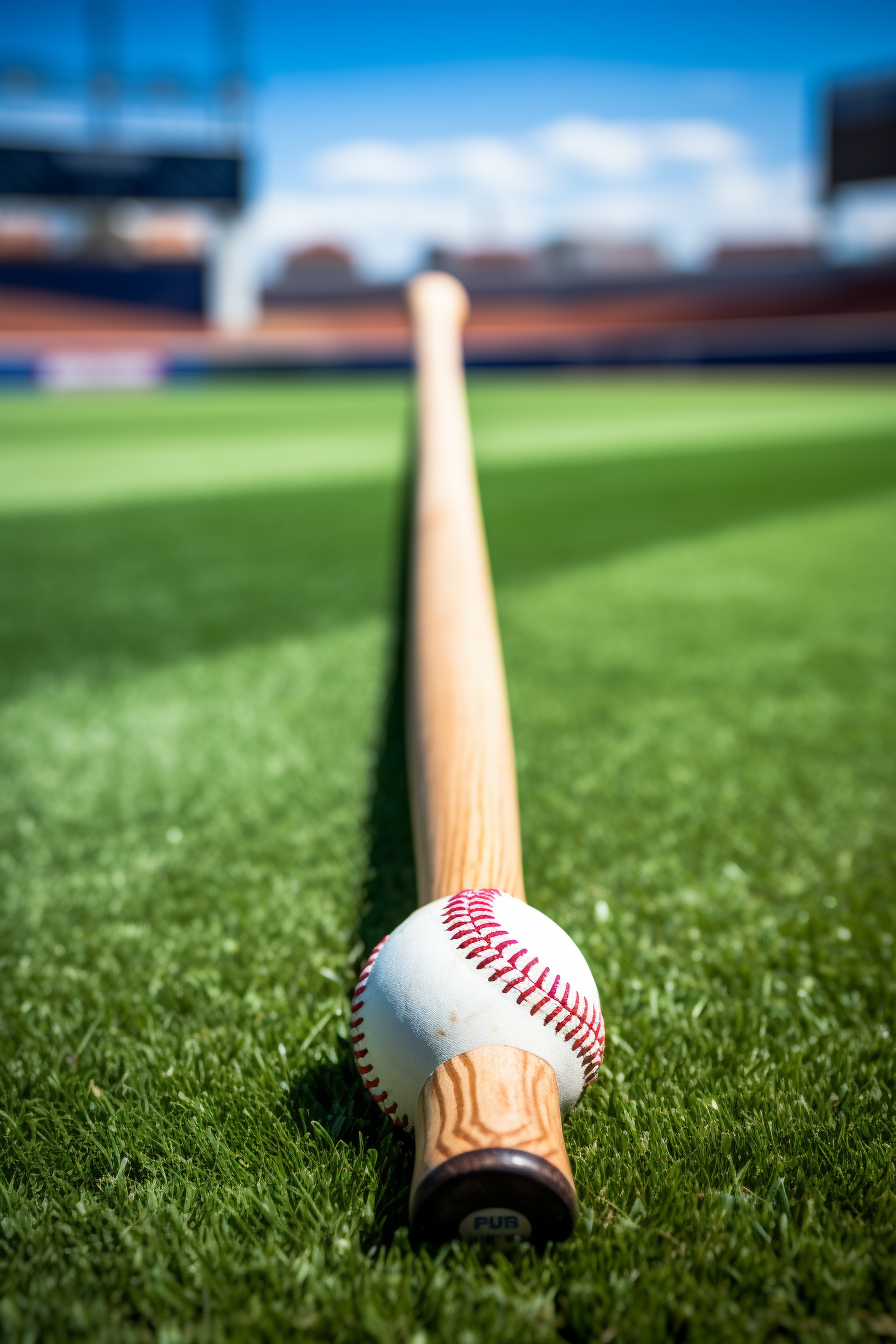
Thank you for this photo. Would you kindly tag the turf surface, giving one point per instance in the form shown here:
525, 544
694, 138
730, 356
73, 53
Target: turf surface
204, 821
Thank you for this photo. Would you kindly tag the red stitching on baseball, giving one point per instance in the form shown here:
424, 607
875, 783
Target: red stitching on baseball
470, 915
371, 1083
512, 984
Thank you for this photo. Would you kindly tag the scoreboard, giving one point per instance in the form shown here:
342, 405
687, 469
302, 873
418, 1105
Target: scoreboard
46, 173
860, 133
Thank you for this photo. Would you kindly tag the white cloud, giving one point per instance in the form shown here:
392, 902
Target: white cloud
632, 149
494, 163
603, 149
488, 161
684, 184
371, 162
706, 142
607, 149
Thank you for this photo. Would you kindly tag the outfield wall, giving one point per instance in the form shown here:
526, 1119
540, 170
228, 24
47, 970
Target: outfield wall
817, 316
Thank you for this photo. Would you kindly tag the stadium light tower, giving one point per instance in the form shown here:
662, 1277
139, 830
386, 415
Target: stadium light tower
103, 23
117, 161
232, 279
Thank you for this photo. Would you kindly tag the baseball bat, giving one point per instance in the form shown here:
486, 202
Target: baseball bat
488, 1130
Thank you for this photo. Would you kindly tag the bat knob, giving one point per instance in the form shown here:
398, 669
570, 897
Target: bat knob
491, 1163
493, 1194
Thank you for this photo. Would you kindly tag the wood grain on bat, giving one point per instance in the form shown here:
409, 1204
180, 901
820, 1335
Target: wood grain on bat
492, 1097
464, 797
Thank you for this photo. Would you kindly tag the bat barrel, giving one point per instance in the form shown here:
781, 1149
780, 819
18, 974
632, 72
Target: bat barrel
464, 800
490, 1155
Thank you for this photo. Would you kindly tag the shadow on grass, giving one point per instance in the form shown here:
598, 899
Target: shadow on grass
96, 591
331, 1095
541, 518
390, 887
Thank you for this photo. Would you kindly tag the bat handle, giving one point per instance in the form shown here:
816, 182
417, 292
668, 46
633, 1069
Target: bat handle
490, 1159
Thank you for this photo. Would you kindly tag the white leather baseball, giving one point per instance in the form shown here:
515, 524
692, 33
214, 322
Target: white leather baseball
478, 968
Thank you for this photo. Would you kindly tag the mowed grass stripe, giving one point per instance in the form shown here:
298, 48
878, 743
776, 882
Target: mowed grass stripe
78, 452
520, 418
102, 588
81, 452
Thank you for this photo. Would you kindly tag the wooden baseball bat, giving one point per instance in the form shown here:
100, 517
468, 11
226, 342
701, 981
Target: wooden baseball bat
488, 1128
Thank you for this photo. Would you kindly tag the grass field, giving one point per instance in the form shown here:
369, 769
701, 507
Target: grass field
204, 822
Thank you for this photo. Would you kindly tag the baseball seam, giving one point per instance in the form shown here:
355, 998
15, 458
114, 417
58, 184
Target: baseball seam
469, 918
358, 1036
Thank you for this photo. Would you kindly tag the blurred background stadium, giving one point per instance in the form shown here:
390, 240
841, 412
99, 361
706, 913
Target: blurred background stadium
218, 186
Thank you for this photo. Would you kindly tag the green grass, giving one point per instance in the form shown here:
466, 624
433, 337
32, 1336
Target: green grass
203, 823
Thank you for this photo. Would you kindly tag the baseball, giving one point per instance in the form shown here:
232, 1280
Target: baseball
478, 968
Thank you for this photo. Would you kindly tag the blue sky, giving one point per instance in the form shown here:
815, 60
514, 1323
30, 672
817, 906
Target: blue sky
392, 127
808, 36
